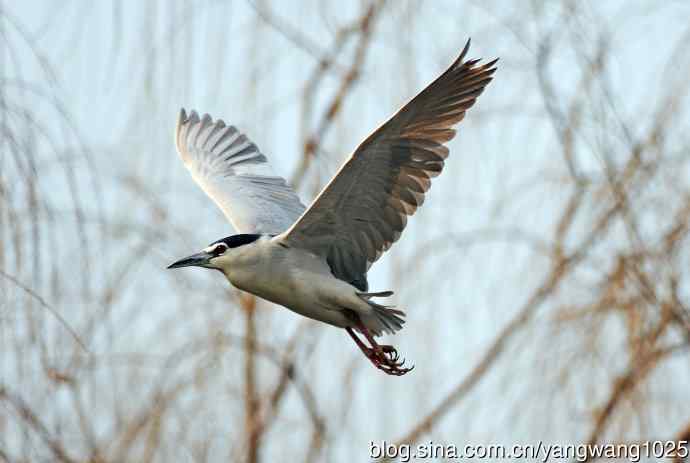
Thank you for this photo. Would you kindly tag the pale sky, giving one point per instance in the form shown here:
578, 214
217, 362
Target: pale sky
122, 71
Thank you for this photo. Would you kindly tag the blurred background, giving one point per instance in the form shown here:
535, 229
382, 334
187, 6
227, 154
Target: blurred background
546, 279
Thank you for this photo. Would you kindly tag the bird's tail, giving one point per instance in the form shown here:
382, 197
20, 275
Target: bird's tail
383, 318
368, 296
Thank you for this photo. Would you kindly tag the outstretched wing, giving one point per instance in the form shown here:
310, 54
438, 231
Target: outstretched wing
364, 209
235, 175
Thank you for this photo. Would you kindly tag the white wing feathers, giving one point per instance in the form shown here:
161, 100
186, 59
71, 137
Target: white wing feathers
235, 175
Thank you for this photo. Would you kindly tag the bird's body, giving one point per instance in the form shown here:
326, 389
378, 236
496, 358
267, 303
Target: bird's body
293, 278
300, 281
315, 260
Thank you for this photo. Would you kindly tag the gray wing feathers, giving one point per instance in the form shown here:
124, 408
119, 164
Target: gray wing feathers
236, 175
364, 209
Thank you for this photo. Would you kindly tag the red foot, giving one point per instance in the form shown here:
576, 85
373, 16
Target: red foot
384, 357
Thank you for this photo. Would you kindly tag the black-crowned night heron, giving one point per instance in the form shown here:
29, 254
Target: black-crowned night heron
314, 261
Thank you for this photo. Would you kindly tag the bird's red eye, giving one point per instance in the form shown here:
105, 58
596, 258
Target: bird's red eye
220, 249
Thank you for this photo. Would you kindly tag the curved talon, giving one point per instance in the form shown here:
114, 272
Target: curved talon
392, 355
383, 356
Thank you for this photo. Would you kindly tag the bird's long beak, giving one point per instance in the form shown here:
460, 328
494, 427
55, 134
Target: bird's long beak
196, 260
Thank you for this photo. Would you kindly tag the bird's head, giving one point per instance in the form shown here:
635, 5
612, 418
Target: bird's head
217, 254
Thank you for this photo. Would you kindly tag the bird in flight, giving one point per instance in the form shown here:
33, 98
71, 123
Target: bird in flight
315, 260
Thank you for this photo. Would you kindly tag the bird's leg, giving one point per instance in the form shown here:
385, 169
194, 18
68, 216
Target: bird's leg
366, 350
384, 357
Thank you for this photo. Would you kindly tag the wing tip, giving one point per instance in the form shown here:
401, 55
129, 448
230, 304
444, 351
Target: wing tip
460, 61
181, 119
466, 48
194, 117
185, 121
